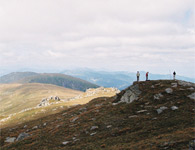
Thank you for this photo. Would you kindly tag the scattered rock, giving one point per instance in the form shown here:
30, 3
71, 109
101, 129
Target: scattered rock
192, 96
10, 139
45, 124
97, 105
134, 116
83, 109
174, 85
174, 107
131, 94
169, 90
141, 111
94, 127
64, 114
22, 136
160, 110
74, 119
191, 88
109, 126
35, 127
66, 142
152, 86
93, 133
157, 96
25, 126
184, 83
115, 104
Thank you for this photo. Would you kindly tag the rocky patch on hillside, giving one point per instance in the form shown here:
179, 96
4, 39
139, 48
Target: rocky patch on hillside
147, 115
95, 91
49, 101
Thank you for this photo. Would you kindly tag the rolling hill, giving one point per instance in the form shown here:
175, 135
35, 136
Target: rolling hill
17, 97
48, 78
147, 115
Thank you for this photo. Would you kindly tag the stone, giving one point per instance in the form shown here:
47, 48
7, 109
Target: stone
169, 90
191, 88
56, 98
93, 133
141, 111
25, 126
94, 127
174, 107
74, 119
192, 96
184, 83
10, 139
161, 109
134, 116
109, 126
35, 127
131, 94
128, 97
115, 104
22, 136
66, 142
174, 85
158, 96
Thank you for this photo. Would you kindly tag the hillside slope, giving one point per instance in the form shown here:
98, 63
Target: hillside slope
17, 97
150, 115
48, 78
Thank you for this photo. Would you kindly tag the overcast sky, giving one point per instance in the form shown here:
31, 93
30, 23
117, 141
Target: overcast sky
151, 35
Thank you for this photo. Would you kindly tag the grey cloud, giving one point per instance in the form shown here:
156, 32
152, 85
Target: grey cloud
111, 34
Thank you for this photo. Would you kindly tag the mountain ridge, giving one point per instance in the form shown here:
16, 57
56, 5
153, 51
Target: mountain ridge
58, 79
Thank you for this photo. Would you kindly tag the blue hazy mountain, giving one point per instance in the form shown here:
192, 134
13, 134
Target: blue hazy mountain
119, 79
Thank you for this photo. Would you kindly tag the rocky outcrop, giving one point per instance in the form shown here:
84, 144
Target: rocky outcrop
129, 95
47, 101
192, 96
10, 139
21, 136
98, 91
184, 83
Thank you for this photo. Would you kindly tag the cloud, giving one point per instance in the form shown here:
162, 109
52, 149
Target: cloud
112, 34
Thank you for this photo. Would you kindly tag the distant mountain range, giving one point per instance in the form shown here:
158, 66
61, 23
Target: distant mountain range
48, 78
119, 79
77, 79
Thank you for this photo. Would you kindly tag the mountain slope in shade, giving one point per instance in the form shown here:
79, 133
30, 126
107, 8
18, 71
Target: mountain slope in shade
48, 78
14, 77
149, 115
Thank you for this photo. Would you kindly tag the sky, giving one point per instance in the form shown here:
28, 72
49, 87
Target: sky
112, 35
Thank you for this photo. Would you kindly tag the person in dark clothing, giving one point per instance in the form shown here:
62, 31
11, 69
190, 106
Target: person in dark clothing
174, 74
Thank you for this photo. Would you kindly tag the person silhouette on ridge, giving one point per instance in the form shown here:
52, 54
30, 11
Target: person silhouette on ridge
138, 74
174, 74
147, 76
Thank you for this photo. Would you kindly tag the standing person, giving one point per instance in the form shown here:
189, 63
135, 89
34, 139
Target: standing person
147, 76
174, 74
138, 74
